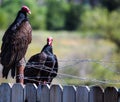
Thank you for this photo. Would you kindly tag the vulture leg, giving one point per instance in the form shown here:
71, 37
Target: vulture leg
20, 71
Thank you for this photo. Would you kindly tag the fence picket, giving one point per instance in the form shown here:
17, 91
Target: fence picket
111, 94
96, 94
69, 94
56, 93
17, 93
43, 93
31, 92
5, 92
82, 94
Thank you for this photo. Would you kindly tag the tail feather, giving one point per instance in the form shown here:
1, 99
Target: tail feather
13, 71
5, 72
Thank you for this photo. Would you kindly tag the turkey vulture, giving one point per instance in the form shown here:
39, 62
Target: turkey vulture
15, 43
42, 67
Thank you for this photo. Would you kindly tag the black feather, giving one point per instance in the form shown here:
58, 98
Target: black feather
15, 43
47, 67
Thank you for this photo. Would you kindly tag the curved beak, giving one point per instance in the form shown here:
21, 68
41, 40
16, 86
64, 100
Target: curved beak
50, 42
29, 12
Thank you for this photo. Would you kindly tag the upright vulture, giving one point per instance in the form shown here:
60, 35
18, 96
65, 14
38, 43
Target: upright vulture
15, 42
42, 67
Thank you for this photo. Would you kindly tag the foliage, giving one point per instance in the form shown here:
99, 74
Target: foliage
50, 14
73, 17
113, 30
3, 19
55, 14
37, 18
111, 4
101, 72
102, 22
94, 20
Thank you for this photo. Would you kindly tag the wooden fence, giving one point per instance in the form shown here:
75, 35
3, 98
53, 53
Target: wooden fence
57, 93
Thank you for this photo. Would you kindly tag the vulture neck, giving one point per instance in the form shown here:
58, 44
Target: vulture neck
47, 49
21, 16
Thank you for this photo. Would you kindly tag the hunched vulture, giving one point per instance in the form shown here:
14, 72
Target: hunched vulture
42, 67
15, 42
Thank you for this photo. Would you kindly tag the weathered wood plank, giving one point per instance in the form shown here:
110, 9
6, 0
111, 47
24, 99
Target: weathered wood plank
5, 92
31, 92
69, 94
17, 93
111, 94
96, 94
56, 93
82, 94
43, 93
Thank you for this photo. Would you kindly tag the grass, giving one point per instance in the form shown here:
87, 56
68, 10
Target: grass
66, 45
70, 46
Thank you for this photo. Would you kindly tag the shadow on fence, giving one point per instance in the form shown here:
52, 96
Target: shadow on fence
57, 93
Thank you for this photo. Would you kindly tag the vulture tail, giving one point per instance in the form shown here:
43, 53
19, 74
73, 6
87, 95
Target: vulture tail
13, 71
5, 72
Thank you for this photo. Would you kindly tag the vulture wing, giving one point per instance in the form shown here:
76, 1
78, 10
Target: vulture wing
14, 47
50, 69
55, 68
34, 67
41, 68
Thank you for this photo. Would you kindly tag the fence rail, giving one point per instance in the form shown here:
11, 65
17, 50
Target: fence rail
57, 93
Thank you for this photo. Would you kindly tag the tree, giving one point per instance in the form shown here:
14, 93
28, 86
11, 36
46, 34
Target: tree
111, 4
10, 8
73, 17
55, 16
103, 23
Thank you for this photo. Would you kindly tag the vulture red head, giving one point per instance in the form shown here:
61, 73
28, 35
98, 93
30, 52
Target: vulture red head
25, 9
49, 41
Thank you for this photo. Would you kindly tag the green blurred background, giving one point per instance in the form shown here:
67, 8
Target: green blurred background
86, 37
